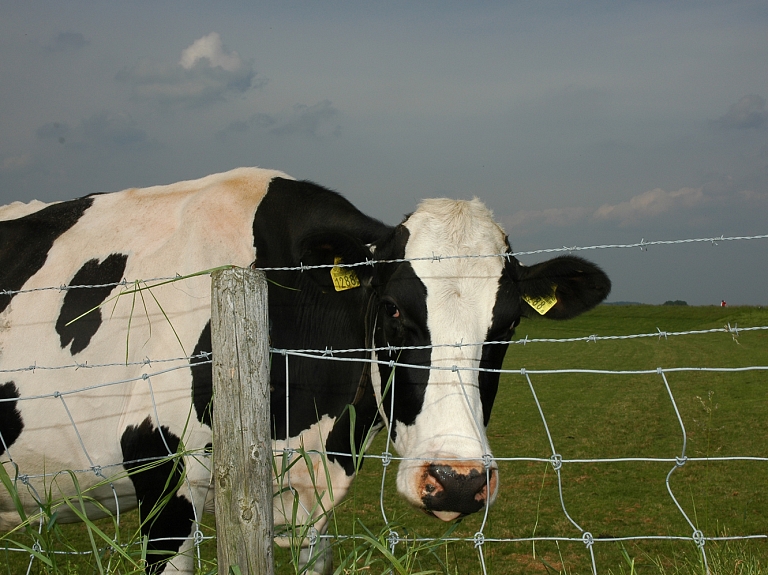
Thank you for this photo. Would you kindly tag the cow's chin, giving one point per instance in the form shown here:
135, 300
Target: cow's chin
447, 488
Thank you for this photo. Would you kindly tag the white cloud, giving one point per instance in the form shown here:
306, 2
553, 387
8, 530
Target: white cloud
650, 204
657, 208
524, 221
206, 73
210, 48
15, 163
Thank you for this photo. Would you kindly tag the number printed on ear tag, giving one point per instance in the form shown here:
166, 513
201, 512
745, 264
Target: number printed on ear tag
343, 278
542, 304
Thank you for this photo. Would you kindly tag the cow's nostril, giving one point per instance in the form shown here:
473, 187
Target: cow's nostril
456, 490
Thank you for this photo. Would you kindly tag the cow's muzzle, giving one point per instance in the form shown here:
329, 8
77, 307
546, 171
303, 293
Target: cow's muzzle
453, 489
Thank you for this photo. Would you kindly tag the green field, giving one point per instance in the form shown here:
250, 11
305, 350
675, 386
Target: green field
592, 416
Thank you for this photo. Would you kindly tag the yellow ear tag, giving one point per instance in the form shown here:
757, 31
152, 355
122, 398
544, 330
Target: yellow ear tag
343, 278
542, 304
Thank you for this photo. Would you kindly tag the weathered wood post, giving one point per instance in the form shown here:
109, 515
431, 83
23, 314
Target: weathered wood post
242, 449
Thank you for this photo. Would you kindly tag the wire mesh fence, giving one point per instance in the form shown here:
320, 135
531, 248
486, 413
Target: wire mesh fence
677, 461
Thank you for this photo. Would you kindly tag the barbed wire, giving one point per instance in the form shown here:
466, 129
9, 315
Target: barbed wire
205, 357
435, 257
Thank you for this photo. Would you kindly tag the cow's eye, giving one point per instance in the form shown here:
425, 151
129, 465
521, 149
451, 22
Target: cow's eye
391, 308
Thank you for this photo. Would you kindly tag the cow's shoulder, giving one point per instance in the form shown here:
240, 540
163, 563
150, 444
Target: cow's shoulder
26, 241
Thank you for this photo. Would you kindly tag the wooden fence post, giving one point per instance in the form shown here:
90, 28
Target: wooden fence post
242, 448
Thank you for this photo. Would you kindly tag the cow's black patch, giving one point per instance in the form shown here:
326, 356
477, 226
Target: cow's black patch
78, 301
11, 423
366, 423
202, 377
298, 222
408, 294
164, 514
25, 242
505, 317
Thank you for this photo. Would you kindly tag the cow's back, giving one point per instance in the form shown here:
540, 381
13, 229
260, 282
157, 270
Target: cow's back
138, 234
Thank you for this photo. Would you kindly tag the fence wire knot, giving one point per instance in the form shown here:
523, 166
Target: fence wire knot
328, 352
522, 369
487, 460
661, 333
24, 479
680, 461
587, 539
36, 547
698, 538
592, 337
198, 537
312, 536
97, 471
386, 458
393, 538
556, 461
479, 539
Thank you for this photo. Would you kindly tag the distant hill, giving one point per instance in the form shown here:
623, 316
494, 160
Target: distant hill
622, 303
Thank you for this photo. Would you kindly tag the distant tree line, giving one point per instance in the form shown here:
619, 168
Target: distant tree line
675, 302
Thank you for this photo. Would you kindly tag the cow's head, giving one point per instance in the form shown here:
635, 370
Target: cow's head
433, 314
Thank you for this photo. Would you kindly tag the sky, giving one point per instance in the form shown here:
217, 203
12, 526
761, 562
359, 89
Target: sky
578, 123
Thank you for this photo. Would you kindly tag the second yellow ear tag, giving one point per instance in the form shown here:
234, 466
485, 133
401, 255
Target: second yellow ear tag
542, 304
343, 278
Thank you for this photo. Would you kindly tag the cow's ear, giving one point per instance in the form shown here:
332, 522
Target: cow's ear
562, 287
333, 248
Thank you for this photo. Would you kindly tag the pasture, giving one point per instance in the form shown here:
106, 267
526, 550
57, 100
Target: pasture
589, 416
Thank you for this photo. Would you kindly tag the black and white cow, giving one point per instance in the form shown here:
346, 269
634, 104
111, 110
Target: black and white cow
245, 217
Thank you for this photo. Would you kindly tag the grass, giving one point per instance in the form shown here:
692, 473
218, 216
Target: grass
589, 416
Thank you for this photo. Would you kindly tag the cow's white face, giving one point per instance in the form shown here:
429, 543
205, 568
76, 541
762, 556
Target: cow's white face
439, 413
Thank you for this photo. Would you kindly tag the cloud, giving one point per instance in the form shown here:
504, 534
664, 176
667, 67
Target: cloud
524, 221
314, 121
15, 163
657, 208
103, 130
308, 120
650, 205
210, 48
67, 42
748, 113
206, 73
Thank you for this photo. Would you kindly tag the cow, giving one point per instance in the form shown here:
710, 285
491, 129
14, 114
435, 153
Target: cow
428, 305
